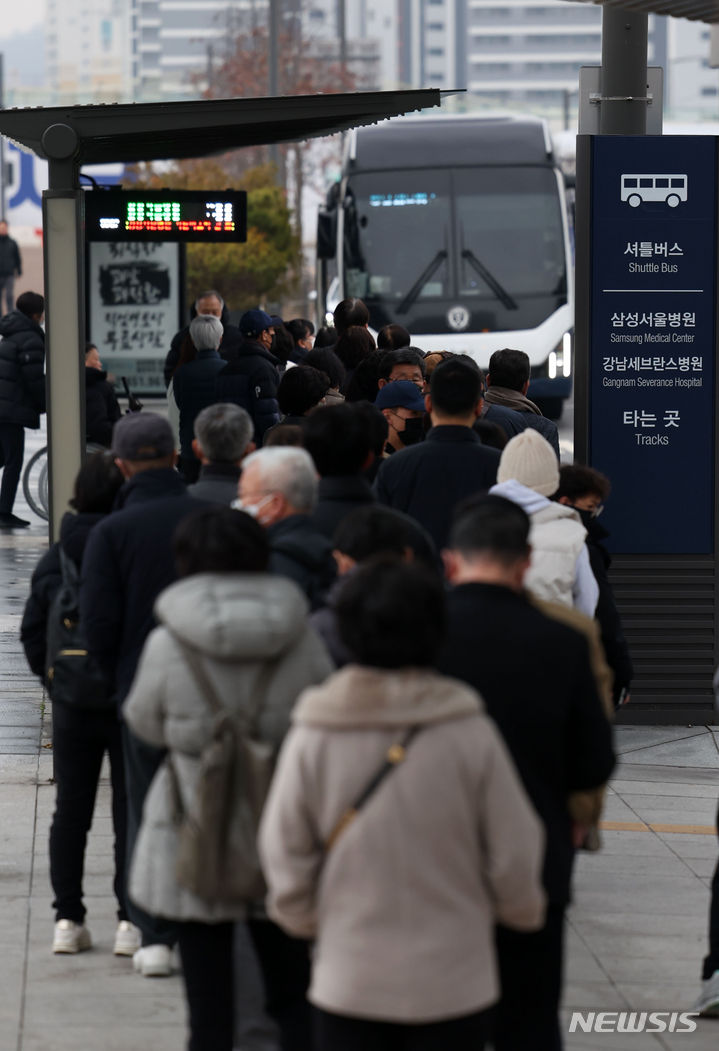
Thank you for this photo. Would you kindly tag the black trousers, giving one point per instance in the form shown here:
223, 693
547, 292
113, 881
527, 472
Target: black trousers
12, 451
530, 972
207, 971
285, 965
340, 1033
711, 962
80, 740
141, 764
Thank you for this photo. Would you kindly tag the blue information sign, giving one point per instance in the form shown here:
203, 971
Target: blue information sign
652, 339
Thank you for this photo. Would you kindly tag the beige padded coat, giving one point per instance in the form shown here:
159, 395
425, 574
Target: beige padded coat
404, 904
240, 623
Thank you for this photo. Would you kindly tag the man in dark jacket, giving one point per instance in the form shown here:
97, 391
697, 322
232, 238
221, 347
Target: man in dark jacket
251, 379
223, 437
429, 479
127, 563
10, 266
534, 676
210, 302
22, 393
102, 409
507, 386
278, 487
194, 386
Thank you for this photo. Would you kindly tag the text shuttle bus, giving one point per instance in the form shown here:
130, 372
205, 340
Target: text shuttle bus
456, 227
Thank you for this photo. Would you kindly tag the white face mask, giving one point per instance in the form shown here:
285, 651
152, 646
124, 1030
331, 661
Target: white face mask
253, 510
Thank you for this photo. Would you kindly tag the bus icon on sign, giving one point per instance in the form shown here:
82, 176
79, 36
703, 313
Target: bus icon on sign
670, 189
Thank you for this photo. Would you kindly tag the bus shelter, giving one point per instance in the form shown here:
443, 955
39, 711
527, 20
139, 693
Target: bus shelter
68, 137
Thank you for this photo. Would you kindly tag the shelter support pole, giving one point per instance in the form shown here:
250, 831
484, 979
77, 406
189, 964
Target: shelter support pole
65, 335
624, 72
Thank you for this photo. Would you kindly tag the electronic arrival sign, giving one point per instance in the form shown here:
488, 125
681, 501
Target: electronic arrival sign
207, 216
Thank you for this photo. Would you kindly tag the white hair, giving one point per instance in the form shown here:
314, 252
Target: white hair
206, 331
224, 431
287, 470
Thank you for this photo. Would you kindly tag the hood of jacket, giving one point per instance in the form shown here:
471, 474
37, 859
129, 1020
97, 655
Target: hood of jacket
522, 495
74, 531
16, 321
540, 508
234, 616
360, 697
152, 484
248, 348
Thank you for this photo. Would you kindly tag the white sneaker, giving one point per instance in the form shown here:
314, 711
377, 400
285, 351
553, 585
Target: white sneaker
153, 961
127, 939
70, 937
708, 1003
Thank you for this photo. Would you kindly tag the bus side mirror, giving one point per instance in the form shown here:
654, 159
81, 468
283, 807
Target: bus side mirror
326, 234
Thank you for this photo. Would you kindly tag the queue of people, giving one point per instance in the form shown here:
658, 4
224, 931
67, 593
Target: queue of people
400, 618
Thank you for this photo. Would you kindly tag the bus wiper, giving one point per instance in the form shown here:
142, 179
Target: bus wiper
501, 293
421, 281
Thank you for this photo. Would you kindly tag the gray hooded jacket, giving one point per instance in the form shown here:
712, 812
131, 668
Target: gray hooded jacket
239, 622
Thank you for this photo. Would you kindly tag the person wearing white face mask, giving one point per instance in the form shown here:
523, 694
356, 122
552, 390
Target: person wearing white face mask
278, 487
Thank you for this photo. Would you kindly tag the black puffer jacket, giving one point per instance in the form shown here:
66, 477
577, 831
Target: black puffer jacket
302, 553
251, 381
22, 372
74, 531
102, 409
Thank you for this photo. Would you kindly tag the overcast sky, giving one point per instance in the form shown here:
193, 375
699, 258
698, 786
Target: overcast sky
17, 17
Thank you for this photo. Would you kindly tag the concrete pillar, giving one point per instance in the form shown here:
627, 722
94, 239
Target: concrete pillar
63, 223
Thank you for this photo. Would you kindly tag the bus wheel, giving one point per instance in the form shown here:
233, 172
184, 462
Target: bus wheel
634, 200
673, 200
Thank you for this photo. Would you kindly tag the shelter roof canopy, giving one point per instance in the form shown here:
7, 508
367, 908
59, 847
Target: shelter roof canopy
171, 130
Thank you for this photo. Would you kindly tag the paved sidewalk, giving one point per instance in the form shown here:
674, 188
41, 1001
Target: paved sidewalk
638, 926
637, 930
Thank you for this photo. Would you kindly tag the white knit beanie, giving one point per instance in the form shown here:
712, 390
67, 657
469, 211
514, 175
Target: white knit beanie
530, 460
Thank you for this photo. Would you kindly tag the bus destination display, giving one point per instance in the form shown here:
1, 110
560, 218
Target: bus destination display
166, 215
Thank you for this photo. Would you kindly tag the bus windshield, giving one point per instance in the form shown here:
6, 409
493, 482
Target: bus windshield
417, 242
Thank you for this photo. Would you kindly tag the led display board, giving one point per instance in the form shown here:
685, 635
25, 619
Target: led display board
218, 216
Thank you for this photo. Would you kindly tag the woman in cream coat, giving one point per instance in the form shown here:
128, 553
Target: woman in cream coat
243, 624
403, 898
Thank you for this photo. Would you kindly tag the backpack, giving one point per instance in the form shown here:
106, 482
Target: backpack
73, 677
217, 858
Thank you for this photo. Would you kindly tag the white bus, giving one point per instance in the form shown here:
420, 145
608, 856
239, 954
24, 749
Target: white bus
456, 227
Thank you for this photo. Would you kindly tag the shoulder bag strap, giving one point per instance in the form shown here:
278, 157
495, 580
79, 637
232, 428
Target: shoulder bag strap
395, 755
202, 679
68, 569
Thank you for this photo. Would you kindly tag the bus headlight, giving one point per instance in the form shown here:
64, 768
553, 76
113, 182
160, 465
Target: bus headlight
567, 354
559, 362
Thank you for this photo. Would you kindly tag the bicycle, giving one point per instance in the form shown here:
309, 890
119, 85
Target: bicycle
35, 480
35, 474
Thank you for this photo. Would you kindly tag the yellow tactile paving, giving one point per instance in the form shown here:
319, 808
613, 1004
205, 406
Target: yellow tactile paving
641, 826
